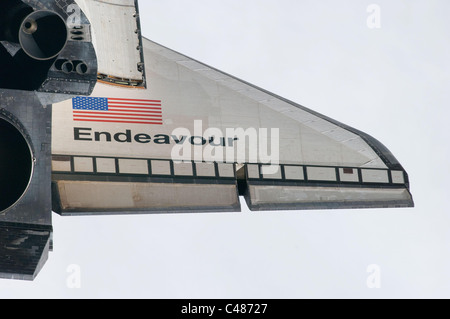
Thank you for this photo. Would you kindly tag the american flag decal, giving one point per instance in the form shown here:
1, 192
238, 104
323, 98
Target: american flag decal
115, 110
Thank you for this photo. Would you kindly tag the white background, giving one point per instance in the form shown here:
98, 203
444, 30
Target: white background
392, 82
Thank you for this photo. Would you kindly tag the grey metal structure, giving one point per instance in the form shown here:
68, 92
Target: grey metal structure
88, 128
32, 78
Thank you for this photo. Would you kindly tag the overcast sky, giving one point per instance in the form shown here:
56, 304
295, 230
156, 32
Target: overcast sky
392, 82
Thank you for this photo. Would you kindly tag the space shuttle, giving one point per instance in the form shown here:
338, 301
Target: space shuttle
95, 119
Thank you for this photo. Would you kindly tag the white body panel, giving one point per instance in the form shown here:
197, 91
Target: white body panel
115, 38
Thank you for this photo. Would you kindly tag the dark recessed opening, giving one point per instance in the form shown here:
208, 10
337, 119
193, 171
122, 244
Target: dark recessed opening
242, 180
16, 165
348, 170
82, 68
43, 35
67, 67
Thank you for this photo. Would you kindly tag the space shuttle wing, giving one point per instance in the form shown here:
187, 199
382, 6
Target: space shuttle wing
94, 119
197, 138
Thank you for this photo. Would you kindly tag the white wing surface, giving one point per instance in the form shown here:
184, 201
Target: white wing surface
196, 138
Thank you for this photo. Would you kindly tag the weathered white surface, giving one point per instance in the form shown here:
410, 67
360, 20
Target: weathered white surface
191, 91
94, 196
115, 38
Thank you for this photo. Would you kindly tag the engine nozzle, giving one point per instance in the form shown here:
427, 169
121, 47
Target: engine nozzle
43, 35
16, 164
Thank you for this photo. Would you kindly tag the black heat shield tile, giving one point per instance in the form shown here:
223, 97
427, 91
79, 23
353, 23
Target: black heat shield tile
26, 227
24, 250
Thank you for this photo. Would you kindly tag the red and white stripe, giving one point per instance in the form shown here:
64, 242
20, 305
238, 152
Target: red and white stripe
131, 111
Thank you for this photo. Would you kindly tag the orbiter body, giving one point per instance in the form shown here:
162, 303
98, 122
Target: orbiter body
107, 122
